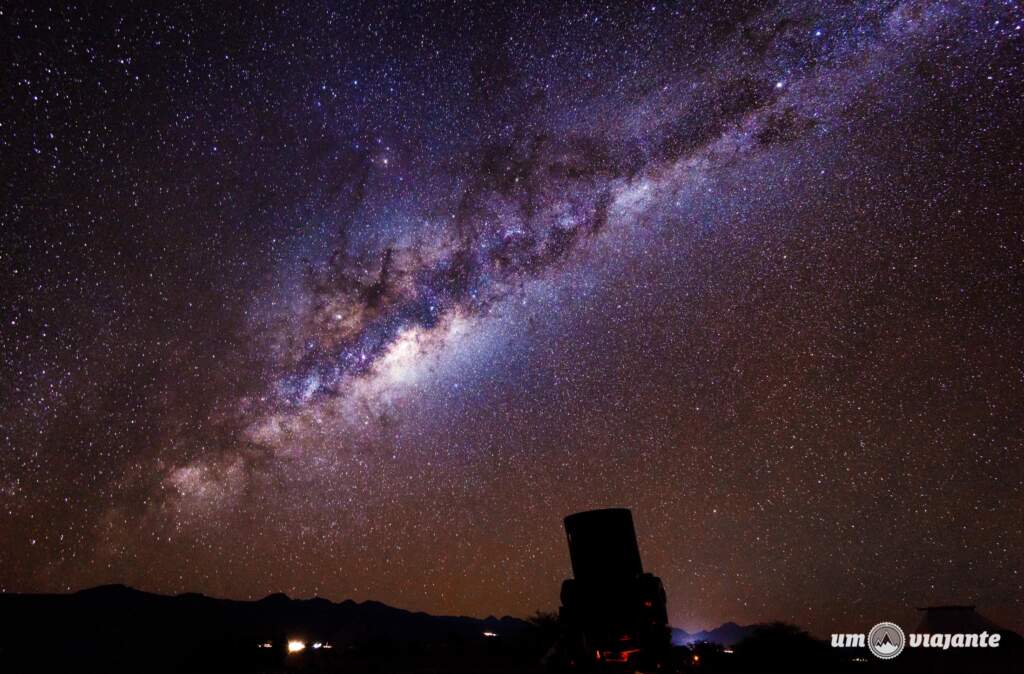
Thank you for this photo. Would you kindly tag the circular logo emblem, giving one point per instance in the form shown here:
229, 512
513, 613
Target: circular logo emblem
886, 641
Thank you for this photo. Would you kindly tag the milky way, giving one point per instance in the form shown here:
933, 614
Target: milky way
359, 302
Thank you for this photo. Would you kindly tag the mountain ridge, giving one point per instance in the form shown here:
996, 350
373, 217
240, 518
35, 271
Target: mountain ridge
115, 589
119, 626
726, 634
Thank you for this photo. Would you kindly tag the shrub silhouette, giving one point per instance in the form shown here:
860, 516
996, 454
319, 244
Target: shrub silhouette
781, 647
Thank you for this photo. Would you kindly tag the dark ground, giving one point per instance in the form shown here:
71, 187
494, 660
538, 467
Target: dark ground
118, 629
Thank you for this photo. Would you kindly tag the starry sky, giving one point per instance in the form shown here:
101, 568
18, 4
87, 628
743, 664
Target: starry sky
359, 300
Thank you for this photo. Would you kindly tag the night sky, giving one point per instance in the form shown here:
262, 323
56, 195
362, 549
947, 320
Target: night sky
361, 300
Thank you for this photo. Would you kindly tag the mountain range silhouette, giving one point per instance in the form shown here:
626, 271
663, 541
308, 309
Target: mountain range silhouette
726, 634
118, 628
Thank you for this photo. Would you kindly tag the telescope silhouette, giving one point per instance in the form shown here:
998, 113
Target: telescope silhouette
613, 614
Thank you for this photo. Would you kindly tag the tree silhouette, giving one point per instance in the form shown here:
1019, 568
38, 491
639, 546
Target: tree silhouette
782, 647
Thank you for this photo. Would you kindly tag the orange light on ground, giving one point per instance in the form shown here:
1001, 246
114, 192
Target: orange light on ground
296, 646
620, 656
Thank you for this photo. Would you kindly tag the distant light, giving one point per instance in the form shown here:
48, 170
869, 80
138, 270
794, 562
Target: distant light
727, 650
490, 634
296, 646
265, 644
317, 645
780, 84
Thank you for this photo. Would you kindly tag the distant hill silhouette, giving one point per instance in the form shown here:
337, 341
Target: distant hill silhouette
726, 634
114, 627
